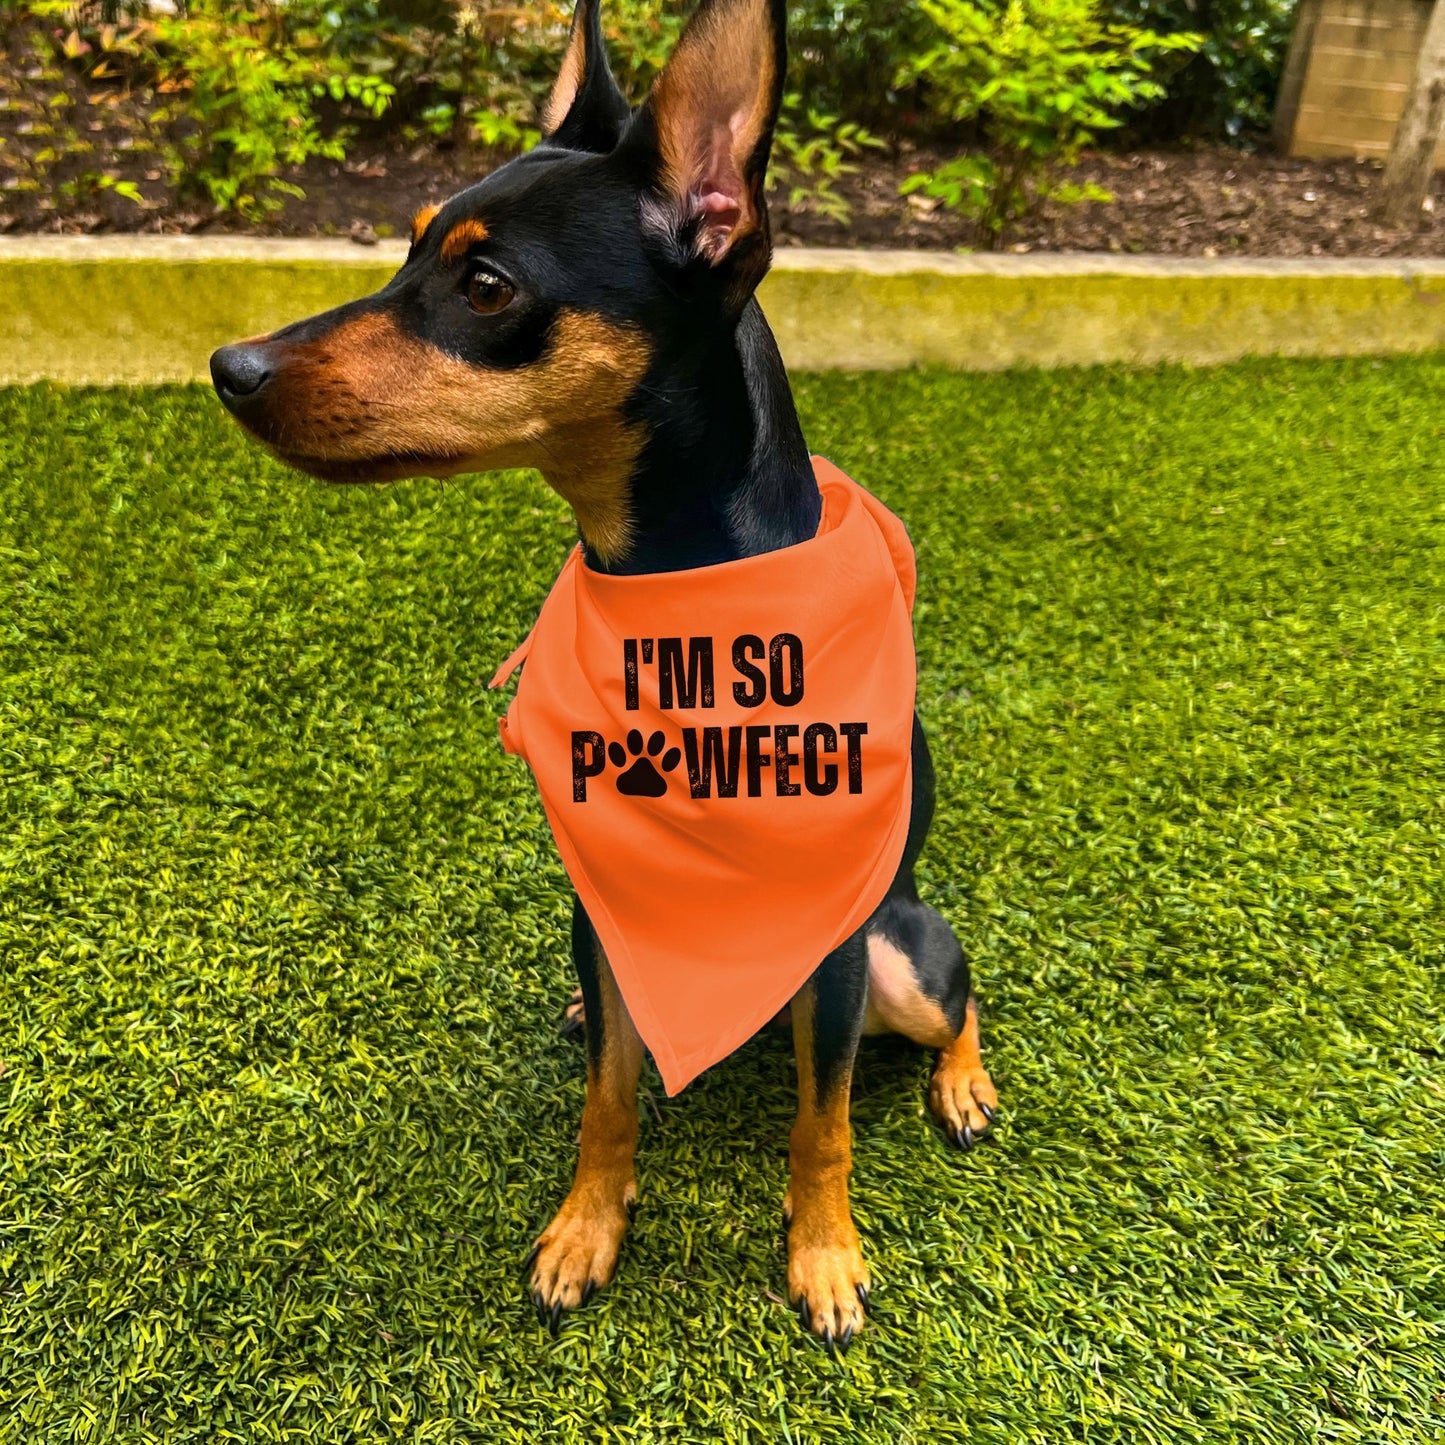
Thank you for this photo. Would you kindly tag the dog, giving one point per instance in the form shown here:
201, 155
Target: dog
588, 310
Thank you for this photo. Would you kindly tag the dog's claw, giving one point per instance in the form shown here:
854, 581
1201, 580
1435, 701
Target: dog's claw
804, 1313
531, 1258
963, 1137
828, 1341
861, 1290
989, 1114
587, 1290
845, 1340
540, 1305
555, 1318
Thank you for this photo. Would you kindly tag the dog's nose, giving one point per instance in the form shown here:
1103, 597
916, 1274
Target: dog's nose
239, 372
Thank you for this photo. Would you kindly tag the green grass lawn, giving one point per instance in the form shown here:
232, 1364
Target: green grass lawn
282, 946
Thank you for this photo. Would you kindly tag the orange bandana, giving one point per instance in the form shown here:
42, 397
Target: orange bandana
725, 757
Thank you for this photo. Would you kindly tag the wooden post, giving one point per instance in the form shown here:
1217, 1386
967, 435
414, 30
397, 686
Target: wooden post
1292, 81
1412, 151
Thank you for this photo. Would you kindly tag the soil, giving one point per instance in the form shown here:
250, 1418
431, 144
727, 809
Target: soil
1198, 201
1203, 200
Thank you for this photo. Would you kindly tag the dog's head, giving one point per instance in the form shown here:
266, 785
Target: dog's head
532, 305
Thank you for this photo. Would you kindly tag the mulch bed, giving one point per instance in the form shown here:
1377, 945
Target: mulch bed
1201, 201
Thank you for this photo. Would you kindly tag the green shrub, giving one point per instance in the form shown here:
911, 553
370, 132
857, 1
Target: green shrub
850, 56
845, 55
245, 98
1228, 87
459, 73
1035, 81
482, 73
811, 150
248, 88
640, 37
47, 69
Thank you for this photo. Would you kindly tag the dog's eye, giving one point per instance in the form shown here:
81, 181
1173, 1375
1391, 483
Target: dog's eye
488, 294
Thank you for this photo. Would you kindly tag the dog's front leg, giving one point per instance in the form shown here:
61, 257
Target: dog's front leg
577, 1252
827, 1279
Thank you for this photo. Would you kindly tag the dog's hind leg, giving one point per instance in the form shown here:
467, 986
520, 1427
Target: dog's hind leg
962, 1095
827, 1279
577, 1252
919, 986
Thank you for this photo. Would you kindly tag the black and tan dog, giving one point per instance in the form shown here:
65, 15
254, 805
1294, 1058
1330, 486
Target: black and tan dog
588, 310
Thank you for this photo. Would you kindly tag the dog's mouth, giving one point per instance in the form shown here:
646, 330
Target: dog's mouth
315, 418
355, 471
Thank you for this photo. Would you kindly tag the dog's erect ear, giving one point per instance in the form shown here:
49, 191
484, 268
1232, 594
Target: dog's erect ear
709, 122
586, 111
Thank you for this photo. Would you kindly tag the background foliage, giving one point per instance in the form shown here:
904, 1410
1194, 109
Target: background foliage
1227, 89
1039, 80
240, 90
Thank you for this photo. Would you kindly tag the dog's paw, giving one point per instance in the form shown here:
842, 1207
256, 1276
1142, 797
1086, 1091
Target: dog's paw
828, 1286
963, 1100
577, 1253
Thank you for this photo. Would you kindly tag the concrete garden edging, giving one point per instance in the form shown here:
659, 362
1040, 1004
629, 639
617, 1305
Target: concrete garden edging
151, 309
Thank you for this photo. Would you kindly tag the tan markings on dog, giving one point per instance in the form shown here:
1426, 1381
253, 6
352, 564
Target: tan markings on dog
580, 1245
961, 1084
716, 91
569, 77
370, 402
825, 1264
461, 237
896, 1004
421, 221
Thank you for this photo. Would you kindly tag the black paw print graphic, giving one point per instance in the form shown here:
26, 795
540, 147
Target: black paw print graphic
642, 780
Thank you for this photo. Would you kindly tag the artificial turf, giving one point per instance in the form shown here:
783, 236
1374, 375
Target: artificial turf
282, 935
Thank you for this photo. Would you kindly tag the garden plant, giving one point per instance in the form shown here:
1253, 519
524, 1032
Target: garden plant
231, 96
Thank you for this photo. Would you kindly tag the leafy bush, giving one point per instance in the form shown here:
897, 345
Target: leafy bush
845, 56
811, 150
850, 56
225, 94
1035, 81
483, 73
640, 36
245, 91
249, 88
48, 66
460, 72
1228, 87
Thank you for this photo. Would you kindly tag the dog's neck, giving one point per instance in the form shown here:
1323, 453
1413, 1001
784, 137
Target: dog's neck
725, 472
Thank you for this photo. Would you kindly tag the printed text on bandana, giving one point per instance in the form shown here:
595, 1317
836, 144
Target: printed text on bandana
741, 760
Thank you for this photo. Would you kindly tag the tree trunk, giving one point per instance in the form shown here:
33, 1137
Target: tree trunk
1412, 152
